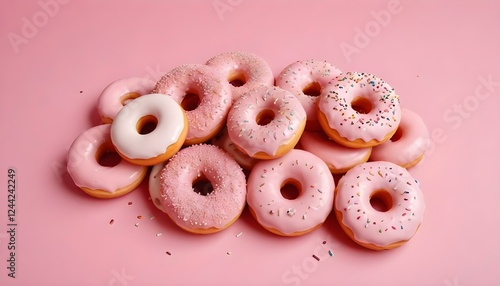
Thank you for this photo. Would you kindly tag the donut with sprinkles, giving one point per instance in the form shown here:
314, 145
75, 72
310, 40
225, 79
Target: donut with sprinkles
379, 205
359, 110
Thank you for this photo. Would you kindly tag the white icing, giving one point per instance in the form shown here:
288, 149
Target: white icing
129, 142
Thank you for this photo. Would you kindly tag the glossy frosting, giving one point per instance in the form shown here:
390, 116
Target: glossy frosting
288, 121
111, 99
369, 225
191, 210
410, 146
308, 210
338, 157
224, 142
236, 65
335, 104
129, 142
297, 76
154, 185
86, 171
214, 93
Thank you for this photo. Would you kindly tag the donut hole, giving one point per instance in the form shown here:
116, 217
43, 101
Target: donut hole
381, 200
397, 135
265, 117
157, 203
237, 78
312, 89
290, 189
146, 124
202, 186
361, 105
191, 101
106, 156
128, 97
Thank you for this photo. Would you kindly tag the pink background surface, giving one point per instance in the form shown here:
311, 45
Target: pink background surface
439, 56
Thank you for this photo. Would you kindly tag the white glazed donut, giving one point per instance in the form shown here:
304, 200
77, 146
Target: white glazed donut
306, 80
118, 93
158, 145
243, 70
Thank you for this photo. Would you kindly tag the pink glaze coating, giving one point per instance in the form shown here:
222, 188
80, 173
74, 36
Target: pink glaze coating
299, 75
223, 141
250, 69
248, 135
313, 204
338, 157
335, 104
213, 90
191, 210
412, 143
86, 171
112, 97
399, 223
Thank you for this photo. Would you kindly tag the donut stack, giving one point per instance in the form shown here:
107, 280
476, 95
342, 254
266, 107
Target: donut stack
219, 136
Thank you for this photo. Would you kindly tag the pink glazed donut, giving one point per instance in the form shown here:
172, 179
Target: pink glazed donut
266, 122
98, 180
291, 195
244, 71
223, 141
338, 157
407, 146
118, 93
306, 80
379, 205
205, 96
203, 189
359, 110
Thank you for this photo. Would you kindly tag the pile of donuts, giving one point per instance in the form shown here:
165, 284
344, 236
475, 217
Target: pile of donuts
213, 138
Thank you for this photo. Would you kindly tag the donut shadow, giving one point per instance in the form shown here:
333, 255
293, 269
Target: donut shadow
247, 219
168, 227
341, 238
161, 219
94, 117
